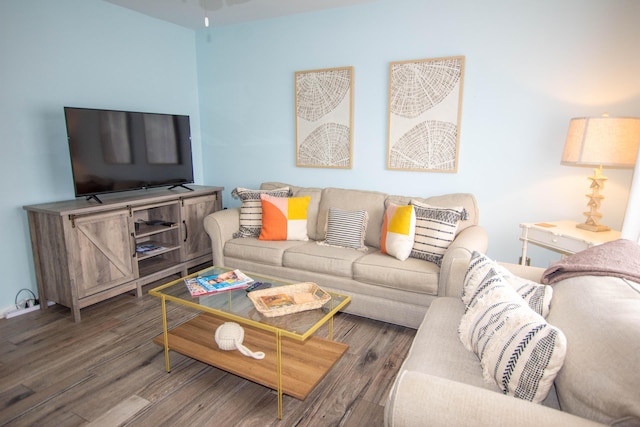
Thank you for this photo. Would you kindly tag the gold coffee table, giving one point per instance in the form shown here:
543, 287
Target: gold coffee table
295, 361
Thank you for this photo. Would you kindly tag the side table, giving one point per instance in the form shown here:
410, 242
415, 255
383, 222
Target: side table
562, 237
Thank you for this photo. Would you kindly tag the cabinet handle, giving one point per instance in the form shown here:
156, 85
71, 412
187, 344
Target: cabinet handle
186, 231
133, 243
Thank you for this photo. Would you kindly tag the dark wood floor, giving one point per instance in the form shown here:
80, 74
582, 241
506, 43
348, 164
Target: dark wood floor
105, 371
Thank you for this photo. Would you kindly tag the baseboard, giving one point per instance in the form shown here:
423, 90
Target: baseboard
12, 311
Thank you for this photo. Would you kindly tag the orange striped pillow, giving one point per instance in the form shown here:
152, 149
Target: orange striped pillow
284, 218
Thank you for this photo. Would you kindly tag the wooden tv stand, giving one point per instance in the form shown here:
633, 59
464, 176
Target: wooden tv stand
85, 252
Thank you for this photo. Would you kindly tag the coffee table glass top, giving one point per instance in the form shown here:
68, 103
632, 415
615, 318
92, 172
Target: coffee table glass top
236, 304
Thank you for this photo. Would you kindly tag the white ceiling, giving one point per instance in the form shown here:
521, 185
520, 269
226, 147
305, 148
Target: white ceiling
191, 13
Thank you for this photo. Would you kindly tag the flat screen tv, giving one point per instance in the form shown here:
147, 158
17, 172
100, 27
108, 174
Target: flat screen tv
124, 150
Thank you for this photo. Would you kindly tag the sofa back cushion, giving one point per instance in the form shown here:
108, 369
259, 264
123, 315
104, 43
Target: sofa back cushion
354, 200
466, 200
600, 378
373, 202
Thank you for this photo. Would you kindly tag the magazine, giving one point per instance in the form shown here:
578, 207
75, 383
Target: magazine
210, 284
149, 248
195, 288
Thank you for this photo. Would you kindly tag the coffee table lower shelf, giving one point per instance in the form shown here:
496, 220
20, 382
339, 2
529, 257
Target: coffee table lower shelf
304, 363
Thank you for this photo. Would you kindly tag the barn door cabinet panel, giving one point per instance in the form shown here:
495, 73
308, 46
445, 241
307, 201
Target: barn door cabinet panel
99, 249
85, 252
197, 243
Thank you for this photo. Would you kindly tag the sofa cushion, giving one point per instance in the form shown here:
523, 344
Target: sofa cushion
268, 252
346, 229
412, 274
251, 209
435, 230
352, 200
600, 379
284, 218
436, 348
537, 296
517, 348
311, 257
398, 231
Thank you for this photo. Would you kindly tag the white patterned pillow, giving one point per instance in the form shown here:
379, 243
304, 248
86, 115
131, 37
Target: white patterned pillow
346, 229
435, 230
517, 348
251, 208
537, 295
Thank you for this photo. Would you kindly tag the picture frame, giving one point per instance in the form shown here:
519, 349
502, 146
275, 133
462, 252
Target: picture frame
324, 118
425, 106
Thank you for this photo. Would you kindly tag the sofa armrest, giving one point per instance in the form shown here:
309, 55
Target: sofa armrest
419, 399
456, 258
220, 227
525, 271
458, 269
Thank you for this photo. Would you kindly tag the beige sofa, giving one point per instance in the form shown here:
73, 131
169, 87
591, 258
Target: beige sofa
441, 383
381, 286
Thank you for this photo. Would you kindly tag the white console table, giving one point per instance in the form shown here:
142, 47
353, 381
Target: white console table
562, 237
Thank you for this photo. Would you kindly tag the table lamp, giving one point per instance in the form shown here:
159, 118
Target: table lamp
601, 141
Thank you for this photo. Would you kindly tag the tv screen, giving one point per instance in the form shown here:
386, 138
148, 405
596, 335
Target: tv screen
124, 150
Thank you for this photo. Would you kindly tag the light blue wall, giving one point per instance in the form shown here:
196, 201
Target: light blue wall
85, 53
530, 66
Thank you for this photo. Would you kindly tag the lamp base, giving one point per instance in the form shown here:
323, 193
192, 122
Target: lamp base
593, 227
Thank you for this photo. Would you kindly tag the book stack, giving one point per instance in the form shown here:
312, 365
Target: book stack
211, 284
149, 248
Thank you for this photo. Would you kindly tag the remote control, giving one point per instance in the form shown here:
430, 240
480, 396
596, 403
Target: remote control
258, 285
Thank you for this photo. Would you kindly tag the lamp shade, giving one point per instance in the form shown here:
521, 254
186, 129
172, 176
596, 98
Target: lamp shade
602, 141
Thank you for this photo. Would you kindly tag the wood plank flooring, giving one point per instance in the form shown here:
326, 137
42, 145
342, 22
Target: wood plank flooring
106, 371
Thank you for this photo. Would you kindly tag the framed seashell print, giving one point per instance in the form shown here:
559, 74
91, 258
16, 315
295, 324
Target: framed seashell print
425, 104
324, 117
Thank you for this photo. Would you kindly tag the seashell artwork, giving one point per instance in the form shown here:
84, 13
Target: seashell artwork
425, 99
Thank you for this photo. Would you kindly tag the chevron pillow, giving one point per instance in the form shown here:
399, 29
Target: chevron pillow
537, 295
517, 348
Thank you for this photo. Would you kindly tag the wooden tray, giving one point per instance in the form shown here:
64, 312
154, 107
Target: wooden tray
289, 299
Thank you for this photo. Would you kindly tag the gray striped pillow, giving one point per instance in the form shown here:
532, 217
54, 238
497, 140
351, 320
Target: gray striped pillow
346, 229
517, 348
251, 209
